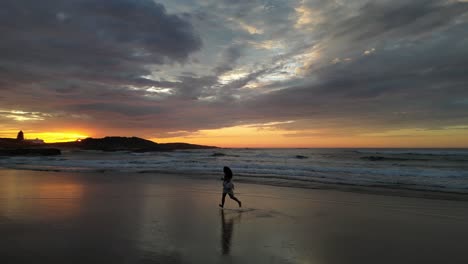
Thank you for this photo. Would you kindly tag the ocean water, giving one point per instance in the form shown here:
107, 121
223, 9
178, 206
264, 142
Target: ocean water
422, 169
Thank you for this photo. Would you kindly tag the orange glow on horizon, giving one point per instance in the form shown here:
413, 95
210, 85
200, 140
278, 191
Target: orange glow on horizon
50, 137
269, 137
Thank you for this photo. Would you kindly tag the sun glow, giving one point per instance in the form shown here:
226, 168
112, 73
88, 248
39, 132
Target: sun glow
259, 135
270, 135
50, 137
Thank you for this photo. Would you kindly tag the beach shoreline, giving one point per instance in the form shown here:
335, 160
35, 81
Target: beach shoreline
385, 190
440, 174
57, 217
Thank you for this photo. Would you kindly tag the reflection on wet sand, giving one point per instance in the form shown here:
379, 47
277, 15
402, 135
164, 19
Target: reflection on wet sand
58, 218
59, 198
227, 227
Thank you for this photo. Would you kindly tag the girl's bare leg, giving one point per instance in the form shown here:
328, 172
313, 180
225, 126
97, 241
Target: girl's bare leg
222, 200
234, 198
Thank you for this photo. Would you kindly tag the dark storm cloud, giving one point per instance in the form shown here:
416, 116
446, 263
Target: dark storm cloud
102, 41
118, 108
228, 59
399, 18
190, 88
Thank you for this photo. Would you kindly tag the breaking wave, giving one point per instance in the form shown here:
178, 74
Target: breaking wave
442, 170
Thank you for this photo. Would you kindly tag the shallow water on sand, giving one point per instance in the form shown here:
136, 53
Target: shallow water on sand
57, 217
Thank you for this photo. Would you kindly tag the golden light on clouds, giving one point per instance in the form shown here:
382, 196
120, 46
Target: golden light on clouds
308, 59
306, 16
247, 27
267, 44
21, 116
232, 76
251, 29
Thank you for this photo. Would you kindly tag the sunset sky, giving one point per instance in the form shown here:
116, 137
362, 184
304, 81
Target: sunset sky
245, 73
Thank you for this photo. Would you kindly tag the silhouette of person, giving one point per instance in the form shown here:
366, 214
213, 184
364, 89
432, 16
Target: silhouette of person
228, 187
227, 227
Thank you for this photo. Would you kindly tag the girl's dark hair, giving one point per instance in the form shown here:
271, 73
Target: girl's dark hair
227, 172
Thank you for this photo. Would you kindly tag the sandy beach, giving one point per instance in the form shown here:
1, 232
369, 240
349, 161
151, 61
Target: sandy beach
57, 217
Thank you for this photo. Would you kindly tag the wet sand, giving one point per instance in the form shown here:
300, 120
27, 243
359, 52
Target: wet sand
56, 217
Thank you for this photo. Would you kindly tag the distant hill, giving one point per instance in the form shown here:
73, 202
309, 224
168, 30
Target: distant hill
13, 147
10, 143
108, 144
126, 144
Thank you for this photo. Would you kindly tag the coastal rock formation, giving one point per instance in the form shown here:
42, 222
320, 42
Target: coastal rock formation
30, 152
134, 144
115, 143
13, 147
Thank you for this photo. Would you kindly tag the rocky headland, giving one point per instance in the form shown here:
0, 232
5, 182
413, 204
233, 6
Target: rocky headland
15, 147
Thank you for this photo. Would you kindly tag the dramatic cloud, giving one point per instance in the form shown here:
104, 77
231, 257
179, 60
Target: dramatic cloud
107, 42
152, 69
